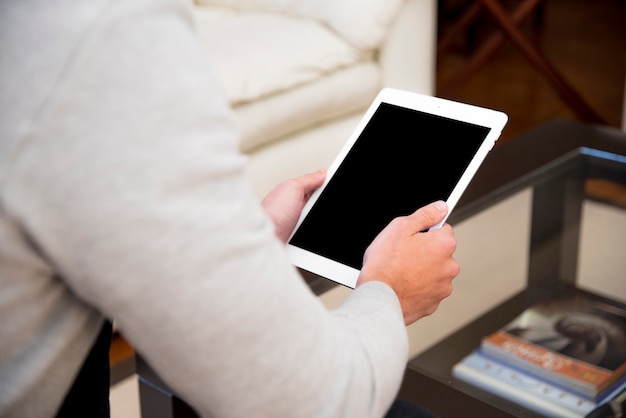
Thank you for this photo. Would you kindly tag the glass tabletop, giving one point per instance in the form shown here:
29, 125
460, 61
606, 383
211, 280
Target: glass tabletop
563, 165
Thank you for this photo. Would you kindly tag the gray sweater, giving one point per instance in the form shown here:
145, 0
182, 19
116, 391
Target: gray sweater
123, 195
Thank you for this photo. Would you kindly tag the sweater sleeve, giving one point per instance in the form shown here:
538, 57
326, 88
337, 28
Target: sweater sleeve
130, 181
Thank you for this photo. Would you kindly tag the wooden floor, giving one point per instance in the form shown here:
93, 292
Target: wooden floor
584, 39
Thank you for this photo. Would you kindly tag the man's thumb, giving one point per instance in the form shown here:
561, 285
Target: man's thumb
431, 214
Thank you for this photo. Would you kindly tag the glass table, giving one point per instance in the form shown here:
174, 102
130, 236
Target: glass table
557, 161
561, 163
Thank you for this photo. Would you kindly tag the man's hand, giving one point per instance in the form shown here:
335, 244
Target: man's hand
417, 265
285, 202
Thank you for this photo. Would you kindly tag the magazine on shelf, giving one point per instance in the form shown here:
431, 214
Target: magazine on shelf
576, 342
529, 391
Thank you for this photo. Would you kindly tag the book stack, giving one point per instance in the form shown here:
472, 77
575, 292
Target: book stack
562, 357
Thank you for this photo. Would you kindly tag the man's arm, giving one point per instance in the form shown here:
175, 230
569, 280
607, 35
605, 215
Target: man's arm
150, 219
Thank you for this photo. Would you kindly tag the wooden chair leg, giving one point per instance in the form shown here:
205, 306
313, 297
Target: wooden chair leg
487, 49
541, 63
509, 27
459, 26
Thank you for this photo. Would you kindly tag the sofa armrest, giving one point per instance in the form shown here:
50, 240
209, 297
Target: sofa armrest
408, 55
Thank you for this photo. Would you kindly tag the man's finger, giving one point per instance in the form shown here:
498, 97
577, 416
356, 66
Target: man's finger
430, 215
311, 182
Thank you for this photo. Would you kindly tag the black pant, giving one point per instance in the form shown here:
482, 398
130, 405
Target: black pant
405, 409
89, 395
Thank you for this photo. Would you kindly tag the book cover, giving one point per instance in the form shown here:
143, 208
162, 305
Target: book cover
575, 341
515, 386
524, 389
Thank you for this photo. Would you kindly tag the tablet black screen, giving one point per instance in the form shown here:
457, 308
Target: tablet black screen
403, 159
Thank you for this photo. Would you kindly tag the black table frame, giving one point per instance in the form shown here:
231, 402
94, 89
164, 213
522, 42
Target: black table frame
557, 176
553, 159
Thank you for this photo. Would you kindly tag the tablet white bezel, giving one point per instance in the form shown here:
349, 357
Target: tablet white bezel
492, 119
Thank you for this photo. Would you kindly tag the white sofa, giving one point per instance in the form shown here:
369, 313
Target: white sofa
300, 73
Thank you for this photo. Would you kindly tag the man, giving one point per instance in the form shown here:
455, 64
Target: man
123, 195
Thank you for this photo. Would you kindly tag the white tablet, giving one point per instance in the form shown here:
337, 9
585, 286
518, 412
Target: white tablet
408, 150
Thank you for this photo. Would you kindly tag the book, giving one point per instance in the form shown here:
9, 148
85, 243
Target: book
576, 342
529, 391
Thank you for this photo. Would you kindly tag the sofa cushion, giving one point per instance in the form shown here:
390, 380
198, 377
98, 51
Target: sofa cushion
341, 93
258, 54
362, 23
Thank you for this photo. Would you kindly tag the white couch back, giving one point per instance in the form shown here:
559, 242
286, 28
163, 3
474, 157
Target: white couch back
362, 23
